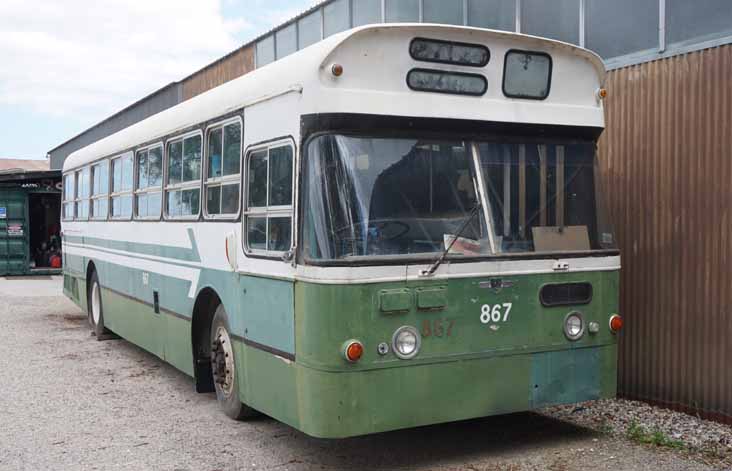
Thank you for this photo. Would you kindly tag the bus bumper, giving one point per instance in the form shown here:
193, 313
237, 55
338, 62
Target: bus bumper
343, 404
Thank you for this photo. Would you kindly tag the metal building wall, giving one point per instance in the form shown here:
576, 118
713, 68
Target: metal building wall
161, 100
227, 68
667, 164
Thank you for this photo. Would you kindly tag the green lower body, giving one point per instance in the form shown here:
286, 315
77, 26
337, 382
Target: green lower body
335, 403
341, 404
164, 335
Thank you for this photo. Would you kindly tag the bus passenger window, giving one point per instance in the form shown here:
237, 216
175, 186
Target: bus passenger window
175, 162
82, 194
121, 202
278, 234
257, 233
148, 195
280, 176
215, 145
184, 175
69, 196
222, 170
192, 159
100, 190
269, 199
258, 179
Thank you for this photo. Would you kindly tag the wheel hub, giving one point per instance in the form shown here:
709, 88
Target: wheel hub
222, 361
95, 304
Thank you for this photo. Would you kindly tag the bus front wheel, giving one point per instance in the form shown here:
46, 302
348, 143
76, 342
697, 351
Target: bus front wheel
223, 367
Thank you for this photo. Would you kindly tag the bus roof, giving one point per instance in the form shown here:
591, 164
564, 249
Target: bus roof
376, 59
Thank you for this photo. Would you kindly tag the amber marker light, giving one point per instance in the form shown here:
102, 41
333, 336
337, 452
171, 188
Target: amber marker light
602, 93
353, 350
336, 70
616, 323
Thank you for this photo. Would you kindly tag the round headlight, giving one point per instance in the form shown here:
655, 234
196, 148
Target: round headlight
406, 342
574, 326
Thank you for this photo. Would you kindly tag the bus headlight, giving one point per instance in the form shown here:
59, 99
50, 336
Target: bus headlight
574, 326
406, 342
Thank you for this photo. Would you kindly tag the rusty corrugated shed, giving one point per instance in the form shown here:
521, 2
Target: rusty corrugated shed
23, 164
227, 68
667, 164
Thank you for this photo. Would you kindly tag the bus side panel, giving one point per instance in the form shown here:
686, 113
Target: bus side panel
264, 342
178, 347
75, 280
128, 305
267, 313
269, 384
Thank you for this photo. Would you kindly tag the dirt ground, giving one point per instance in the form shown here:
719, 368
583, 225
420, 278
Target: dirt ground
68, 401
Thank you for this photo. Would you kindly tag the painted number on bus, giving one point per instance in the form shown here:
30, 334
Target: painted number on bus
437, 327
495, 313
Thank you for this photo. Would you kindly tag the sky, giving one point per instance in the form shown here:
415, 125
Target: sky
66, 65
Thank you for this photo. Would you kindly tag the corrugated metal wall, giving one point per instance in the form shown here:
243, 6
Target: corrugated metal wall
667, 164
160, 100
227, 68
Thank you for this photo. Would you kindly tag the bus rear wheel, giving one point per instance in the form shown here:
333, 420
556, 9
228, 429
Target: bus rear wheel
95, 308
223, 368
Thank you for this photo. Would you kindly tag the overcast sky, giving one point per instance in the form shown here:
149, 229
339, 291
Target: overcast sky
68, 64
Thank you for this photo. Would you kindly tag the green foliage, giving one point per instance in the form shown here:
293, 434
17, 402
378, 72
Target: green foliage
657, 437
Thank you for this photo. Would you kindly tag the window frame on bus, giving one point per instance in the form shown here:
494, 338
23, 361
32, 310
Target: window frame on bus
112, 191
80, 199
188, 185
136, 190
93, 196
220, 182
69, 197
267, 211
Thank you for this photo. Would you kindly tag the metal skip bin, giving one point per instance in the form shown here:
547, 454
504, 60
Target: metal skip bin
13, 232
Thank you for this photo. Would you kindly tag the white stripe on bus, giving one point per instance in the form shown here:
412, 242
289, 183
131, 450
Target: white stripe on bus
180, 272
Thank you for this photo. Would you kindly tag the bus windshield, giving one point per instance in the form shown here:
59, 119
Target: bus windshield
544, 197
368, 197
378, 197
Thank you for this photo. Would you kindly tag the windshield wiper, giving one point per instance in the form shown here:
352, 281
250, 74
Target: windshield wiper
435, 265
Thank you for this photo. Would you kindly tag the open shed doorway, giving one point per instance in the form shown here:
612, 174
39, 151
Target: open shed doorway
44, 225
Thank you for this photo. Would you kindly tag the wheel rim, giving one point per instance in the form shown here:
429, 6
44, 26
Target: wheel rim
96, 303
222, 361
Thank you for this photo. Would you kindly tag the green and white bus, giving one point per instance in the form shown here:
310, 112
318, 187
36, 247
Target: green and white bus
397, 226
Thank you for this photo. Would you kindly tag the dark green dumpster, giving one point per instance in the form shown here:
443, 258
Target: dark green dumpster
30, 205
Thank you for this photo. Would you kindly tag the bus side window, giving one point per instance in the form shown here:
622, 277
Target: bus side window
82, 194
121, 201
269, 200
223, 159
182, 190
100, 189
149, 171
69, 196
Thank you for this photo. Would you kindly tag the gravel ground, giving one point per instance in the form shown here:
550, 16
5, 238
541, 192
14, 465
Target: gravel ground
68, 401
639, 421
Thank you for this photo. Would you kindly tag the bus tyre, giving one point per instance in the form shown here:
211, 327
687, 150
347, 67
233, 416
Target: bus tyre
223, 367
96, 310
